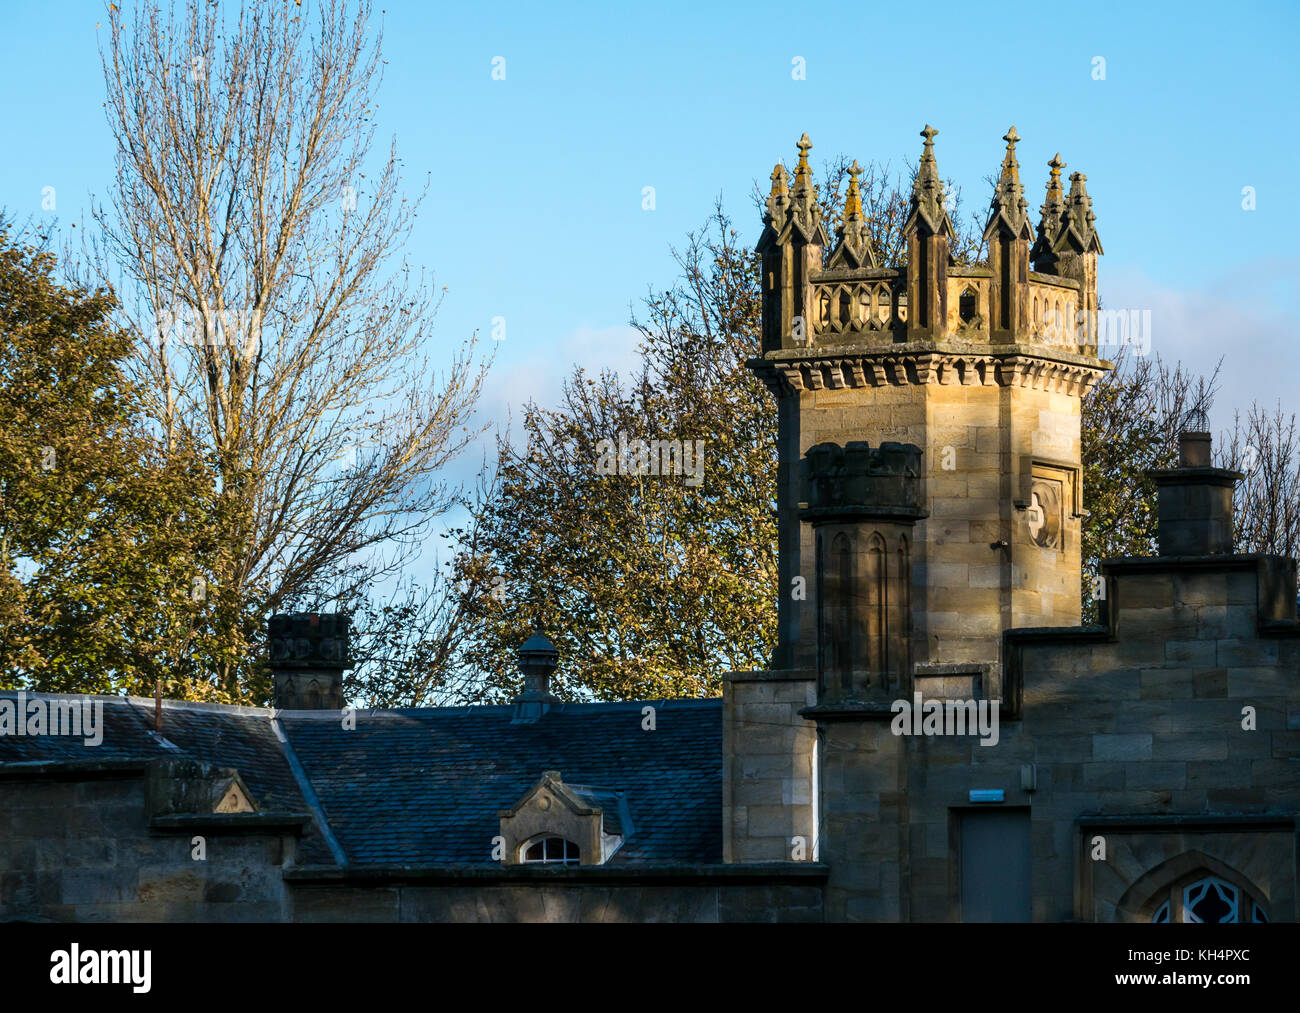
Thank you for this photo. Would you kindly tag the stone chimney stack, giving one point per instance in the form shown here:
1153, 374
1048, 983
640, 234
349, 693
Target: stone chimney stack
309, 654
538, 658
1195, 501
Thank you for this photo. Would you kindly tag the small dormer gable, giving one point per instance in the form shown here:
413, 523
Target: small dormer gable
561, 824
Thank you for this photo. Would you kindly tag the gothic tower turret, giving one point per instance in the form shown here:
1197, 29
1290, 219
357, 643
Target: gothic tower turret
965, 363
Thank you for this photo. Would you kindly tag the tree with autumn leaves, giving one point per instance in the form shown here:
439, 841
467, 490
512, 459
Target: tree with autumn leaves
106, 543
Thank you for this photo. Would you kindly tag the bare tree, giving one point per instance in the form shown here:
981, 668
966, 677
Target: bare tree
1266, 448
256, 230
1130, 424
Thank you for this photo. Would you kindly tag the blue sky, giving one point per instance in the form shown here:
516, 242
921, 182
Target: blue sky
535, 210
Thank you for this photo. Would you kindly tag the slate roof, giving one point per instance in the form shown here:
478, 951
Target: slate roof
614, 816
425, 786
239, 737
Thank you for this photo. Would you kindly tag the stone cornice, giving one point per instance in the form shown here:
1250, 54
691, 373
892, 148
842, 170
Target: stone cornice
949, 362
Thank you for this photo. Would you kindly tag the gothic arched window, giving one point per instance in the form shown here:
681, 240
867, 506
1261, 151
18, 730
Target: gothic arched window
1208, 899
549, 851
966, 305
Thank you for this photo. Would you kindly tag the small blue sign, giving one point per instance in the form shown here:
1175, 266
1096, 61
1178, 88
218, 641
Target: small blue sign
986, 795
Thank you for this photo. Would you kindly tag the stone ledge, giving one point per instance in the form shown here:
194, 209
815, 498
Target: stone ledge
762, 873
73, 769
238, 823
1174, 822
849, 712
770, 675
1058, 634
1163, 564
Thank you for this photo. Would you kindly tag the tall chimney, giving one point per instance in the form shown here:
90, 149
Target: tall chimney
309, 654
1195, 501
538, 658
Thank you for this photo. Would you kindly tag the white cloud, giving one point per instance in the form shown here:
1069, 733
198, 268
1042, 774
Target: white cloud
540, 376
1248, 318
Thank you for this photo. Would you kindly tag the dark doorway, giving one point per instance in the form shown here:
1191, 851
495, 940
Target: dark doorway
995, 885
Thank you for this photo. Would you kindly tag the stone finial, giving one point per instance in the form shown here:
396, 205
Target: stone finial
1049, 223
854, 248
929, 134
1078, 232
929, 204
1009, 209
538, 658
804, 204
853, 199
802, 173
778, 198
804, 212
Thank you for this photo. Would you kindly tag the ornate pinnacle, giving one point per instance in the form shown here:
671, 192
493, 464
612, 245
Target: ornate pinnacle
1078, 216
778, 199
1009, 207
779, 187
804, 208
854, 249
1050, 223
928, 203
803, 174
1056, 165
796, 211
853, 199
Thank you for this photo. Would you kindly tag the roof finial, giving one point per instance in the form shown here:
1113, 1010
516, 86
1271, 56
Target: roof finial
854, 248
927, 153
1078, 211
1050, 223
779, 186
1009, 208
1010, 167
928, 201
802, 173
853, 199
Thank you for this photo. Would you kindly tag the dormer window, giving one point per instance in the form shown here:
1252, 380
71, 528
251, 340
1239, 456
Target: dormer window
565, 824
550, 851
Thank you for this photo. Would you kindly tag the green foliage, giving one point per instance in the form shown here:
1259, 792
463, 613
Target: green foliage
649, 585
101, 528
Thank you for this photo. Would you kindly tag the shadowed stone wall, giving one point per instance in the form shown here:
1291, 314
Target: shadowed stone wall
82, 850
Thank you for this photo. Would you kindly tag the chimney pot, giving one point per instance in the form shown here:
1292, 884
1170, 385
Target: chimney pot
309, 654
1194, 504
1194, 450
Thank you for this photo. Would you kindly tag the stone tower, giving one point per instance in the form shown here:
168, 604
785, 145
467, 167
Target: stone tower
980, 369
